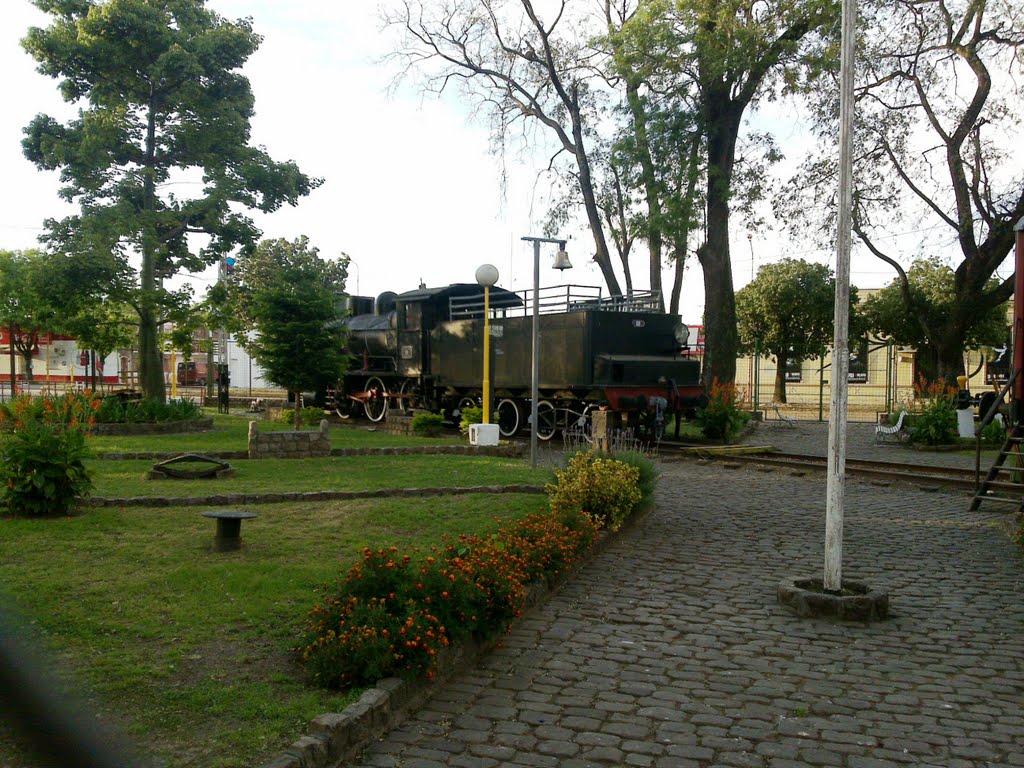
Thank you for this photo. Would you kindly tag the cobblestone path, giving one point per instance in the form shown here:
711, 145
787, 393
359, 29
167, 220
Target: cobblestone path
669, 649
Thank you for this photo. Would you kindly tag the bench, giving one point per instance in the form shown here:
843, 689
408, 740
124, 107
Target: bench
883, 432
789, 421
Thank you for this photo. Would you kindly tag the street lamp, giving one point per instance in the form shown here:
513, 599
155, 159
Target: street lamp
487, 276
561, 263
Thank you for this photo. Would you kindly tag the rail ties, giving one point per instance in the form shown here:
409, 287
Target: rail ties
922, 475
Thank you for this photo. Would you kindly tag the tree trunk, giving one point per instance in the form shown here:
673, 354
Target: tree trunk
13, 359
297, 421
151, 360
779, 395
681, 238
654, 233
722, 121
949, 361
602, 255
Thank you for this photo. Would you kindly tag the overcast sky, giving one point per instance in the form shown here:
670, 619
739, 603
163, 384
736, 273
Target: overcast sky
410, 192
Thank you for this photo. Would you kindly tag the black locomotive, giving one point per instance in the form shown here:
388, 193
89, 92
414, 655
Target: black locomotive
424, 349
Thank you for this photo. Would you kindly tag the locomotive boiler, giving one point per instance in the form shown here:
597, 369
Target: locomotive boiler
424, 349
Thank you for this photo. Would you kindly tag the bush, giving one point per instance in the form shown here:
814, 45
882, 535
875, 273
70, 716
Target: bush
116, 410
724, 415
994, 434
603, 487
427, 424
548, 545
392, 613
311, 416
43, 470
470, 415
935, 422
649, 472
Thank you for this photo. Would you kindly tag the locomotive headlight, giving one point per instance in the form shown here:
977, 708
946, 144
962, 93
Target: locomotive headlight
682, 334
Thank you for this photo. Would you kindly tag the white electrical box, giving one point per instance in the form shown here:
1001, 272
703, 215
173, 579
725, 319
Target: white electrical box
483, 434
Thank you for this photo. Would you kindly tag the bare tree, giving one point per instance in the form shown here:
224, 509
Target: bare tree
519, 66
936, 132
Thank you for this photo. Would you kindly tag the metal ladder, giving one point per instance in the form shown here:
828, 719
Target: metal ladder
1004, 483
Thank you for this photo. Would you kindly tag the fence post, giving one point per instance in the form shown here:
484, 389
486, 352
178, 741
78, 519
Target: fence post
757, 374
821, 385
890, 350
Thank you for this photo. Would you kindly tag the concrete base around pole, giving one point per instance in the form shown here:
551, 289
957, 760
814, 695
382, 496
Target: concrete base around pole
807, 598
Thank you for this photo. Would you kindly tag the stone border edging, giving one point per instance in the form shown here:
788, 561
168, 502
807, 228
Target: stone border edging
510, 451
291, 496
336, 736
117, 428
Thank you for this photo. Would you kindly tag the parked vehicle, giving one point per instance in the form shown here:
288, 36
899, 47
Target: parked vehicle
192, 374
424, 349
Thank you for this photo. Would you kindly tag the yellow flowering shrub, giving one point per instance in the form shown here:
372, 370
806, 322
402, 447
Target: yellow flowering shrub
606, 489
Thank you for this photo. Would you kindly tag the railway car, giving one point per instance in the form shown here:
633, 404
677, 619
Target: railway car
424, 349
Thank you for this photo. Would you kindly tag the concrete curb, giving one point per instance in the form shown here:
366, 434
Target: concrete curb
511, 451
228, 499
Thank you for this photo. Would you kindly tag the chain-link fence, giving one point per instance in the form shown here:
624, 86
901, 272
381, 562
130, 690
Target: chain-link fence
881, 377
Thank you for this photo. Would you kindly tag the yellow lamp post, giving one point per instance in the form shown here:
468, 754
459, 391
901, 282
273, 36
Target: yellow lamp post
487, 276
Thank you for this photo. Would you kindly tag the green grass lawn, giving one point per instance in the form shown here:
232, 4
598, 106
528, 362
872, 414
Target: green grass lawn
231, 433
124, 479
191, 652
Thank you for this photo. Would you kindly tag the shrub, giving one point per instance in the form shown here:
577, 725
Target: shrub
547, 545
391, 613
935, 422
116, 410
43, 470
312, 416
994, 434
470, 415
603, 487
427, 424
725, 414
370, 625
648, 470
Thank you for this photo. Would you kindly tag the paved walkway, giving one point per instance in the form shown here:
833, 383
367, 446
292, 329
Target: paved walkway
811, 437
669, 649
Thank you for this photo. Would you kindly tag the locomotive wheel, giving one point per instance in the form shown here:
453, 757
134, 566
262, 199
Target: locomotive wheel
376, 405
408, 402
547, 420
509, 417
464, 403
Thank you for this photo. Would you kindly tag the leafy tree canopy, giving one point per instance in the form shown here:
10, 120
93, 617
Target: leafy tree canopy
160, 94
937, 133
288, 297
787, 311
932, 289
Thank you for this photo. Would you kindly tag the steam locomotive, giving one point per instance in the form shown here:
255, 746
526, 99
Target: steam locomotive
424, 349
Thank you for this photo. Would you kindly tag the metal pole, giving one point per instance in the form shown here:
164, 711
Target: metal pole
487, 354
757, 374
535, 367
835, 487
890, 349
821, 385
1018, 320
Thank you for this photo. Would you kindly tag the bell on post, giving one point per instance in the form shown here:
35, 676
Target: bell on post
562, 260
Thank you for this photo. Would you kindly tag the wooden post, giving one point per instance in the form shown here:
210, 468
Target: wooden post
836, 482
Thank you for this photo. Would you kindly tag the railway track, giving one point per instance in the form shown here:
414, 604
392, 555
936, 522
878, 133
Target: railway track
883, 471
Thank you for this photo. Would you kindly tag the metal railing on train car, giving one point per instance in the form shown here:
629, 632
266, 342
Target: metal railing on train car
556, 299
